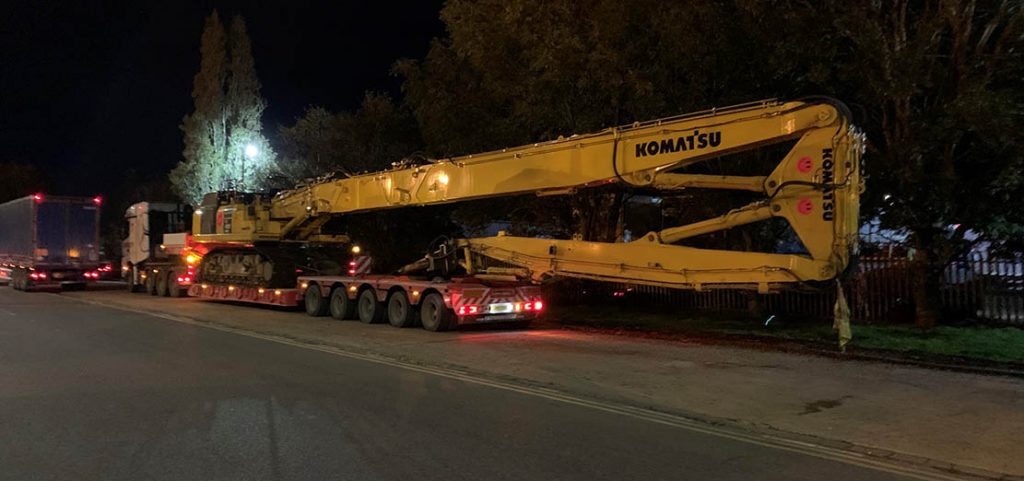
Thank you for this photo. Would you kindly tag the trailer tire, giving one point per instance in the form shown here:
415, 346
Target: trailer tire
161, 284
341, 306
434, 314
400, 312
316, 305
370, 311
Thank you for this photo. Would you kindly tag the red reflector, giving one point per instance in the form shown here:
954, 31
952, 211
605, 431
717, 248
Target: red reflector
469, 309
97, 200
474, 309
528, 306
538, 305
38, 197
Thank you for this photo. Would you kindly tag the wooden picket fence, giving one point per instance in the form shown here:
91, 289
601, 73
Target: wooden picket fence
976, 289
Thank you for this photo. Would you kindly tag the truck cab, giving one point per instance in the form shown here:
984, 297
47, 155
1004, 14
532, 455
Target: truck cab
155, 253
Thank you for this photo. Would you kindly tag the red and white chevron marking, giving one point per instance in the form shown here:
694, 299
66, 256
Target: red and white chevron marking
360, 265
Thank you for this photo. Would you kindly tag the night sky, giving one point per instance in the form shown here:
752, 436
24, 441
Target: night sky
89, 90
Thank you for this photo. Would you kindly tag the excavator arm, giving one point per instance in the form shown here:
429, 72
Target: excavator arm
815, 187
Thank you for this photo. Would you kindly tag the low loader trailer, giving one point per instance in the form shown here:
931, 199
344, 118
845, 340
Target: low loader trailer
402, 301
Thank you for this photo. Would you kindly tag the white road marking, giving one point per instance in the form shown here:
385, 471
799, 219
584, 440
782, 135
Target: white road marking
876, 461
9, 313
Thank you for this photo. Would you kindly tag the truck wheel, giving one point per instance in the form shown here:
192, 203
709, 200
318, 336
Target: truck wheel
370, 311
150, 283
434, 315
161, 284
400, 313
173, 288
341, 306
316, 305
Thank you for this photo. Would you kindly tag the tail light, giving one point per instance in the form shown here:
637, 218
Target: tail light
37, 276
184, 279
531, 306
469, 309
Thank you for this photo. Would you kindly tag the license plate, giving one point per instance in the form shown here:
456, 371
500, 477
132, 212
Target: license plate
502, 317
58, 275
500, 308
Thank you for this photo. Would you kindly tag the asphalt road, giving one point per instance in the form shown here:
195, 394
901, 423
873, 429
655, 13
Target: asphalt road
89, 392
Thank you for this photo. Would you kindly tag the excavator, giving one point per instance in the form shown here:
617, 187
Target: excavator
270, 241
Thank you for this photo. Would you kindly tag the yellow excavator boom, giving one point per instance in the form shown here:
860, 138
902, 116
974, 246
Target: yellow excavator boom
816, 187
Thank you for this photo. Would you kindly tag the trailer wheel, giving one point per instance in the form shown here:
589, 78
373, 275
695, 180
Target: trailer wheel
161, 284
434, 315
370, 311
316, 305
341, 306
400, 313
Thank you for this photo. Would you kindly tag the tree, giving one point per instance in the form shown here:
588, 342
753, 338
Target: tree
940, 83
371, 138
19, 180
226, 119
205, 131
249, 154
312, 146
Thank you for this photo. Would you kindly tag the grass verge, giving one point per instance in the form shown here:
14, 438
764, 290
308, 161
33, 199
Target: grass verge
1002, 345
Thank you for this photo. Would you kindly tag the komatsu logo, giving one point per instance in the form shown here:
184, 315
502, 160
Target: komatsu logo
698, 140
828, 189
